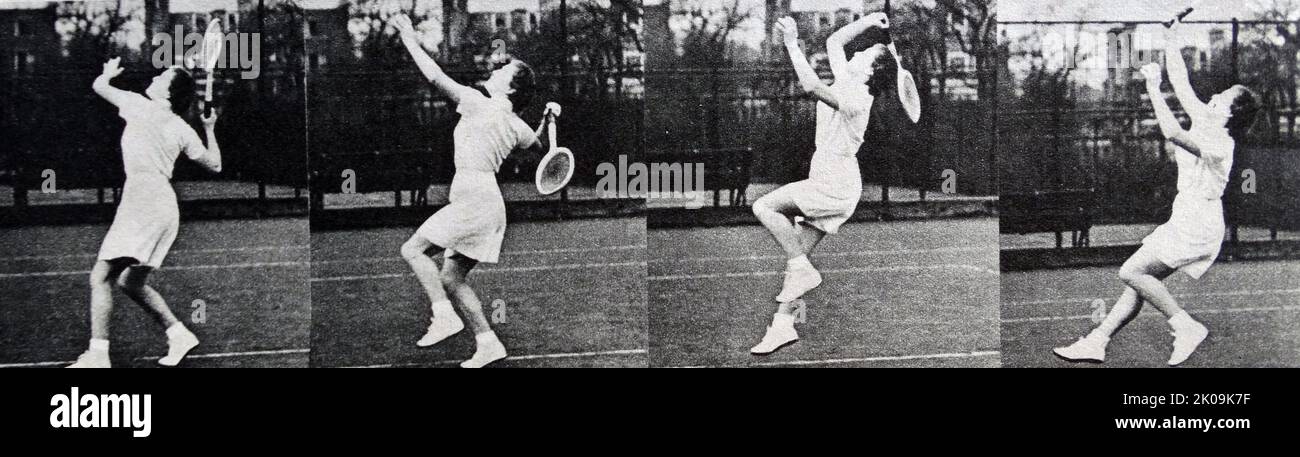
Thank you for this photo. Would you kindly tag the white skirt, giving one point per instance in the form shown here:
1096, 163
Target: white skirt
1191, 239
473, 224
823, 207
145, 224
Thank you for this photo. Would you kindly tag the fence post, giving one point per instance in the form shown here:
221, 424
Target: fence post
1236, 29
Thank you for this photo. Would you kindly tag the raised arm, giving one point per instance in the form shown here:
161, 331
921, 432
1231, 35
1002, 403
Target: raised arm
1169, 125
102, 85
835, 43
809, 82
1178, 75
454, 90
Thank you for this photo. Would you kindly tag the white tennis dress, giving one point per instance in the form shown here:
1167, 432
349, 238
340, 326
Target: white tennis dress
1191, 239
474, 222
833, 189
147, 218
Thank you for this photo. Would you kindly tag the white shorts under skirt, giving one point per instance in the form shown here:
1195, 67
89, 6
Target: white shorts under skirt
1191, 240
823, 207
473, 224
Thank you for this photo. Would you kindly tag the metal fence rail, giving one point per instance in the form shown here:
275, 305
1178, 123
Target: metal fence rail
68, 129
762, 109
1091, 127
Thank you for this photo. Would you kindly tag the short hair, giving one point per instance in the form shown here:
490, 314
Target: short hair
1244, 107
181, 91
884, 72
524, 84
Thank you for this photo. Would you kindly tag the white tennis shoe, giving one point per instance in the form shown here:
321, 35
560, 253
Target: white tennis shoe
487, 352
1187, 337
1088, 349
779, 334
92, 359
179, 344
798, 281
440, 329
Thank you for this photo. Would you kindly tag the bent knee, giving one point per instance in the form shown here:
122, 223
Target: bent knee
412, 249
1129, 273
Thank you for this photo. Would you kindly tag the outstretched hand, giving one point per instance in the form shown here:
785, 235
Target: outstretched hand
113, 67
789, 29
552, 108
403, 25
878, 19
1151, 72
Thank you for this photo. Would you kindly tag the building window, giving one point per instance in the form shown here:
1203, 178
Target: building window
501, 21
313, 28
22, 28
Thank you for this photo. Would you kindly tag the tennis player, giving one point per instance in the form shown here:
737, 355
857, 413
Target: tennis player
147, 217
1190, 240
469, 230
800, 214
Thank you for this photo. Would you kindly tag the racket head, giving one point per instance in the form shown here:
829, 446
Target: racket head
554, 171
212, 44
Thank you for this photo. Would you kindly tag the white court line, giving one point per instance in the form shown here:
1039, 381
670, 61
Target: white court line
888, 358
1232, 293
1194, 311
567, 266
398, 258
751, 274
217, 355
566, 355
178, 251
990, 249
175, 268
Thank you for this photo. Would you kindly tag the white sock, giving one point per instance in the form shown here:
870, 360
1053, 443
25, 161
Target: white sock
443, 310
1181, 320
176, 330
486, 338
798, 263
98, 345
1097, 334
782, 320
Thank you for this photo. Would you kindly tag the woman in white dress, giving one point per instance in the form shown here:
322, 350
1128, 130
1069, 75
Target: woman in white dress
800, 214
1190, 240
470, 229
147, 217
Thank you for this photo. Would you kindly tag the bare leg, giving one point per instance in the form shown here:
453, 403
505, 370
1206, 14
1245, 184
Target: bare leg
426, 271
776, 211
454, 271
809, 237
101, 297
1143, 273
1125, 310
133, 284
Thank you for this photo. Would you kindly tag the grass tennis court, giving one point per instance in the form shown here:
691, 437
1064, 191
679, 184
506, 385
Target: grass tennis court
901, 294
1251, 308
251, 276
573, 294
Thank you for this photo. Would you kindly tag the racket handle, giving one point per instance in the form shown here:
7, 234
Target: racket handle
1170, 23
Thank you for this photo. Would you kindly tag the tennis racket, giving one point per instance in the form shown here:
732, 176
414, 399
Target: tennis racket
212, 43
556, 167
